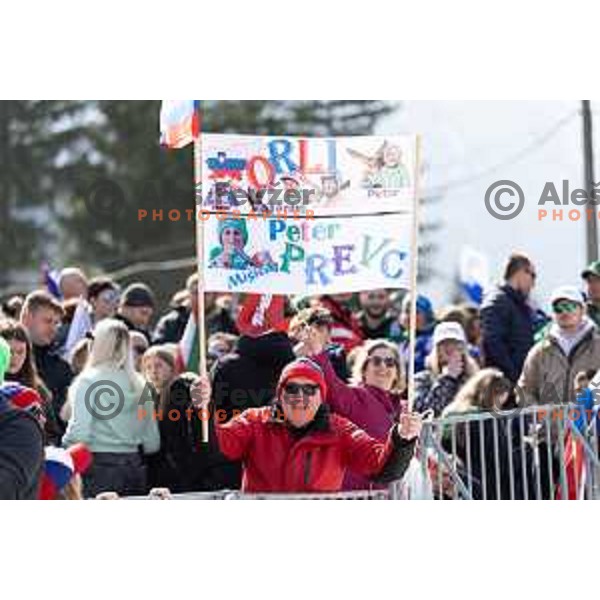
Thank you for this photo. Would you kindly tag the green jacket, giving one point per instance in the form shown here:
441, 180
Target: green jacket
107, 421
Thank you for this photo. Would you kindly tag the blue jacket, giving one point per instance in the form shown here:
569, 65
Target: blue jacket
506, 330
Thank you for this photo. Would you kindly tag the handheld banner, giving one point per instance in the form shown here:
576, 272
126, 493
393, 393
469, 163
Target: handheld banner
307, 216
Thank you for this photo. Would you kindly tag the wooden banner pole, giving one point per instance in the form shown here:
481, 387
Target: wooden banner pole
414, 259
200, 324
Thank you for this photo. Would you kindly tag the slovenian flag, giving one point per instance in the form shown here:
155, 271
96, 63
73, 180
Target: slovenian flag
81, 325
179, 122
60, 466
50, 278
188, 351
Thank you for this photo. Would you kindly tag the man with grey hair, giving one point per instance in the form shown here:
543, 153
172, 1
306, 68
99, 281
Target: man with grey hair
72, 283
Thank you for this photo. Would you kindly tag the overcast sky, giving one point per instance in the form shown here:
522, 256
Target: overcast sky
470, 145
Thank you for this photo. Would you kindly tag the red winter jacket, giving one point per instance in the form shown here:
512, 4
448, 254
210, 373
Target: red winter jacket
275, 460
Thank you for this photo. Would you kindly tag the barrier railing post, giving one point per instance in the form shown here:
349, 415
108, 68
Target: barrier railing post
537, 466
469, 458
454, 458
524, 474
482, 460
561, 457
550, 457
497, 458
511, 474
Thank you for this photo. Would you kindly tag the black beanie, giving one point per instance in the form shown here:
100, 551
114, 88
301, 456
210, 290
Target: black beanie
138, 294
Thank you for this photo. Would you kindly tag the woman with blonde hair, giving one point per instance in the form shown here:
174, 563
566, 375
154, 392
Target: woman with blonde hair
110, 414
448, 367
372, 401
79, 355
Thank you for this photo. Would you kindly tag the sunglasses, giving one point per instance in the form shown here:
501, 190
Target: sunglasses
377, 297
110, 296
565, 306
378, 361
297, 389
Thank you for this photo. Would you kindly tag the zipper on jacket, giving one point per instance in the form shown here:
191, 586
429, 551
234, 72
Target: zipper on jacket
307, 462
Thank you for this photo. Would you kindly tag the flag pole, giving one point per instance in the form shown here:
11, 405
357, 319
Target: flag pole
414, 258
200, 324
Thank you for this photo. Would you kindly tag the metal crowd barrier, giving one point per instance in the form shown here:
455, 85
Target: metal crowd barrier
357, 495
237, 495
530, 453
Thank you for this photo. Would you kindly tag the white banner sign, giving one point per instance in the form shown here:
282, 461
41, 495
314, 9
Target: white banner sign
307, 216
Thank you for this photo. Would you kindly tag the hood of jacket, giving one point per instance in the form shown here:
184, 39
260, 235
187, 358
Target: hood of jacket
567, 342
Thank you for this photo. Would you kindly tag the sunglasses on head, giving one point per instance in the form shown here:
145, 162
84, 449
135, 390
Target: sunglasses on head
565, 306
319, 321
378, 361
297, 389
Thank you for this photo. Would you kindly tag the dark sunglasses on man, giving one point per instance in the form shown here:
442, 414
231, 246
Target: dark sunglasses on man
377, 296
565, 306
297, 389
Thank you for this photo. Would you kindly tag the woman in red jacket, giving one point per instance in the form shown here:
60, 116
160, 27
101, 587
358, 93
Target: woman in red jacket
297, 445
